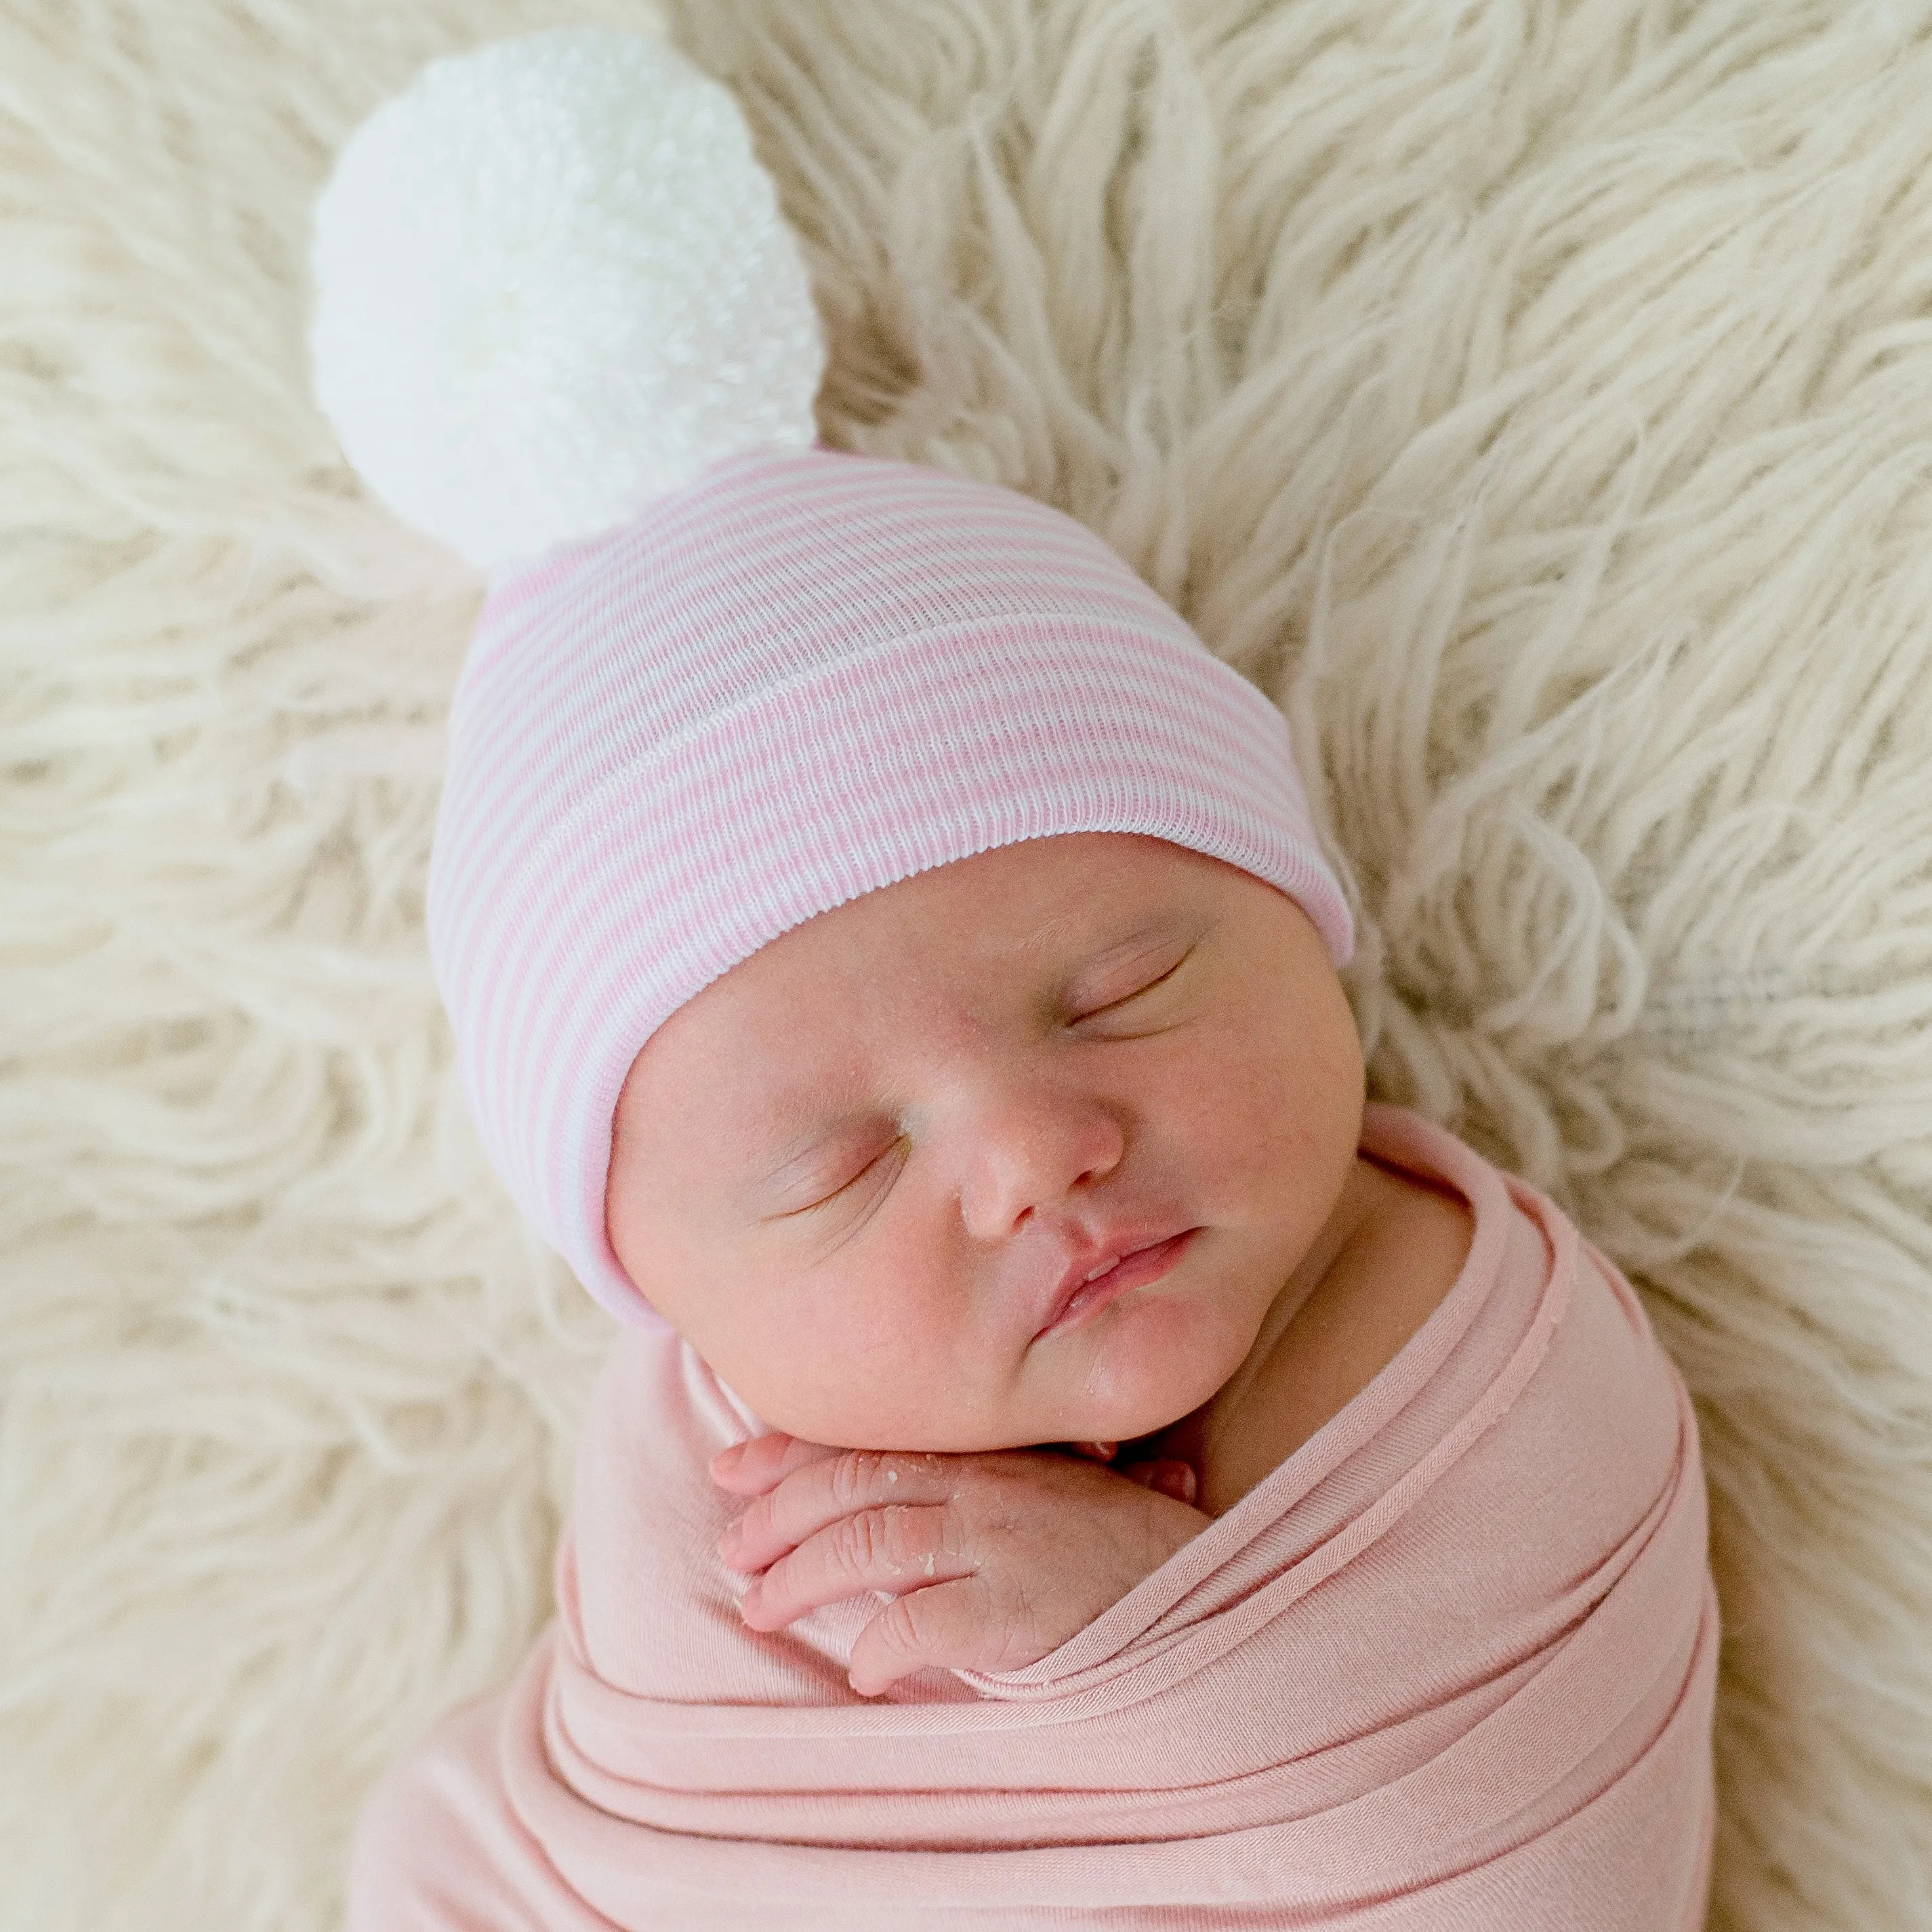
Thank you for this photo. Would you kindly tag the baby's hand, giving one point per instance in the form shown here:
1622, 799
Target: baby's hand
993, 1560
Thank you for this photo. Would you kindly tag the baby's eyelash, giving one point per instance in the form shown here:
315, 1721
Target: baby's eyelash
1147, 988
827, 1200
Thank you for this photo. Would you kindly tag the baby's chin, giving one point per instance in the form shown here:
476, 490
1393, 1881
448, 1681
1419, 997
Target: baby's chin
1141, 1363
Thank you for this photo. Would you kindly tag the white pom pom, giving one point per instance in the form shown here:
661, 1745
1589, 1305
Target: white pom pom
552, 282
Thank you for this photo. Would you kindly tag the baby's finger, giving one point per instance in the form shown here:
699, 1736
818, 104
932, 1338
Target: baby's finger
945, 1628
819, 1490
897, 1548
750, 1468
1170, 1475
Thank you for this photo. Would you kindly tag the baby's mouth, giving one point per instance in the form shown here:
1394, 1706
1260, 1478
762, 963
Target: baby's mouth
1133, 1270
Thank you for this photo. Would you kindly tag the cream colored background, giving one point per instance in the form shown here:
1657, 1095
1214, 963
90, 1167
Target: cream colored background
1537, 398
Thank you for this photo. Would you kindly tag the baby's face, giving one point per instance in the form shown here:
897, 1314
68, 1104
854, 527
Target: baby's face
853, 1170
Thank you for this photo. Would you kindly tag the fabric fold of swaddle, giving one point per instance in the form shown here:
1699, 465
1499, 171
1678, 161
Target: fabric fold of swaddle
1449, 1668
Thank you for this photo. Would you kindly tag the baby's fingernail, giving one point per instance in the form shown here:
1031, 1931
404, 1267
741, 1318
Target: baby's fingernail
726, 1460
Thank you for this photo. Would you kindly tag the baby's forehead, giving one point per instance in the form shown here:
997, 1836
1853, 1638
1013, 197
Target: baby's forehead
1042, 912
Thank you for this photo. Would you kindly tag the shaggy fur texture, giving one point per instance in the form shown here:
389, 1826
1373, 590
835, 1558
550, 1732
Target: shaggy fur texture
1535, 395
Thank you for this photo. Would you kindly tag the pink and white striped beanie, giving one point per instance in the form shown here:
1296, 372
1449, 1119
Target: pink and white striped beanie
723, 679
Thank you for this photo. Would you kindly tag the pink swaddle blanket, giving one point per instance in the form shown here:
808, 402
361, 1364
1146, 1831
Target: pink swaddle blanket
1450, 1668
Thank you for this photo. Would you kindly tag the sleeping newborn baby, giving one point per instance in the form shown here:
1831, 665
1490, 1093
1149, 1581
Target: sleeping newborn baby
943, 1147
869, 1173
1068, 1460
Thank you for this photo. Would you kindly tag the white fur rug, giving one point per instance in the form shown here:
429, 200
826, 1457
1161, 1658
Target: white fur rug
1536, 397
